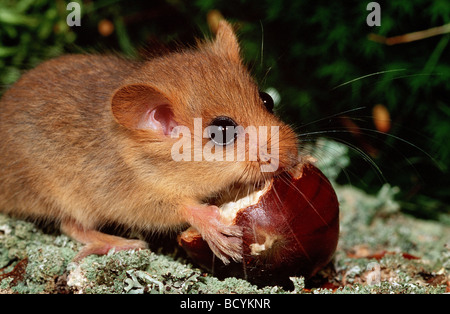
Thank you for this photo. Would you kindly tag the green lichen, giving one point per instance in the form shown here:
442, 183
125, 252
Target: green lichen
47, 255
147, 272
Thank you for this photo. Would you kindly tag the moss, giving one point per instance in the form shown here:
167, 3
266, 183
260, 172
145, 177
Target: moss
408, 255
228, 285
46, 263
49, 258
147, 272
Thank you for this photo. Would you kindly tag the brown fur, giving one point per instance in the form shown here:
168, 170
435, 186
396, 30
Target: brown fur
72, 150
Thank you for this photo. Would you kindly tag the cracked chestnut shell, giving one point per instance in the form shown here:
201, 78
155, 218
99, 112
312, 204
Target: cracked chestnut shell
291, 228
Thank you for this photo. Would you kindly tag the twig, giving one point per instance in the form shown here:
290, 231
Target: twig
414, 36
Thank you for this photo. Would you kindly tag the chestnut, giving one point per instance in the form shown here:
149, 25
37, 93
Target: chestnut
290, 227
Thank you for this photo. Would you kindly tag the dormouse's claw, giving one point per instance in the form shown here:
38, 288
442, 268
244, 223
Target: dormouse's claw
223, 246
233, 251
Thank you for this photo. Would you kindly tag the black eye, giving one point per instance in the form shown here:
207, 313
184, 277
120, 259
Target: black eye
222, 130
267, 101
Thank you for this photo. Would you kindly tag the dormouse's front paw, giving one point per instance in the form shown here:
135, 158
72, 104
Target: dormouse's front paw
224, 240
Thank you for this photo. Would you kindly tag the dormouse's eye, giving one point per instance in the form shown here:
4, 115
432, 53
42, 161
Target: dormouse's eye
222, 130
267, 101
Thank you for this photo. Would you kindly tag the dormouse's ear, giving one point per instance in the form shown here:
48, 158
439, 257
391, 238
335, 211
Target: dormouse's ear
226, 41
141, 107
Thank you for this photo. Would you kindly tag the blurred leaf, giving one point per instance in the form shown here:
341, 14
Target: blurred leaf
122, 36
7, 51
13, 18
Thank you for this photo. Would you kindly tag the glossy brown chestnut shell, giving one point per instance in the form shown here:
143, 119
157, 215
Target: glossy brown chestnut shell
292, 229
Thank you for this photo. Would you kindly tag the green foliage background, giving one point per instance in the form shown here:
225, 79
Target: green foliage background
316, 54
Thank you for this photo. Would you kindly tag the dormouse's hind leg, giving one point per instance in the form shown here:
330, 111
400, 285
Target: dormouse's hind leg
96, 242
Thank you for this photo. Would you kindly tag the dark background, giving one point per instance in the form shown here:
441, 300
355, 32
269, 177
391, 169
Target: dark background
320, 56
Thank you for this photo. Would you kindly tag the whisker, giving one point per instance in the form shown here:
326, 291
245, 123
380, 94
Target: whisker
287, 225
262, 43
321, 151
331, 116
414, 75
363, 154
369, 131
366, 76
308, 201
